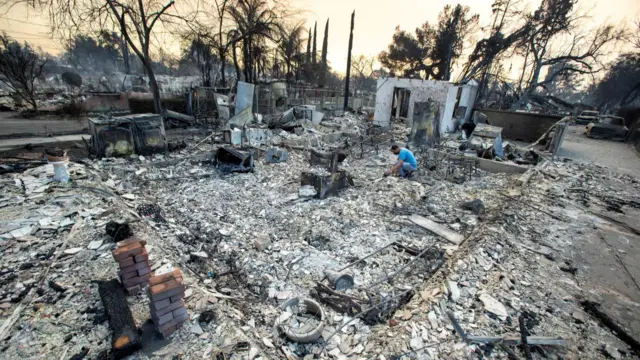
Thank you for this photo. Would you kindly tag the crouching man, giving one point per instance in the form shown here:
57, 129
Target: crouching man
406, 164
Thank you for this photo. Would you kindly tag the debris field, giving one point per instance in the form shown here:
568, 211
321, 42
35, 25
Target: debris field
454, 263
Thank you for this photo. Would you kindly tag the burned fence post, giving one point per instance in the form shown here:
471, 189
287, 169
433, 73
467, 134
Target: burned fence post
523, 337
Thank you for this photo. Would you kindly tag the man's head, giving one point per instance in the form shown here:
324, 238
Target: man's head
395, 149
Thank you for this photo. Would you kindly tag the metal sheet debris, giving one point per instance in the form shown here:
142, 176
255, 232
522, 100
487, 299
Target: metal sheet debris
244, 96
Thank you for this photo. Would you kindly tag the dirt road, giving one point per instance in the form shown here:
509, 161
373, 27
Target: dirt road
12, 126
616, 155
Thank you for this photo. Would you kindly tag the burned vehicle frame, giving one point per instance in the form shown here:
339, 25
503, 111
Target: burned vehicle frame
609, 128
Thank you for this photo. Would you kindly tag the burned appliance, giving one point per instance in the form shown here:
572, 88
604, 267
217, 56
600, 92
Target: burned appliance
125, 135
229, 160
111, 137
148, 134
327, 184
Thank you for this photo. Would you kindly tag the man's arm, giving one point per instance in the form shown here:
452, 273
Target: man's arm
395, 168
398, 165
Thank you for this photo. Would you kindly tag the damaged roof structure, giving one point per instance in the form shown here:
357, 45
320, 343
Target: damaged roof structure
458, 262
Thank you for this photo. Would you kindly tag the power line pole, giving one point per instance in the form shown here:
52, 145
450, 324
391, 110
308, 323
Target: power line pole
346, 87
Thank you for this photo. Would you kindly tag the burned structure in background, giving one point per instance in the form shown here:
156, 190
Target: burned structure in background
142, 134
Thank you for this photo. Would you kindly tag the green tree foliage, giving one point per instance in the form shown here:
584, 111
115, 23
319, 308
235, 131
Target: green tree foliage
290, 50
256, 21
621, 84
324, 66
455, 24
203, 54
433, 50
314, 52
94, 53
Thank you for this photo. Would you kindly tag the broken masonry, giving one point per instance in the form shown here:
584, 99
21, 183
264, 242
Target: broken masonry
134, 265
166, 302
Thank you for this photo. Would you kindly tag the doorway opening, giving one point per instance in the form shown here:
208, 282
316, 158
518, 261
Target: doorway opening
400, 107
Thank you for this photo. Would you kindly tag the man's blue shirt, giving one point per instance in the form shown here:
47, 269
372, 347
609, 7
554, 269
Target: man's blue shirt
407, 157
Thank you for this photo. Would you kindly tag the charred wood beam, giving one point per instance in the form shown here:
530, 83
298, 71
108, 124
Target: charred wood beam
126, 339
523, 337
457, 327
408, 249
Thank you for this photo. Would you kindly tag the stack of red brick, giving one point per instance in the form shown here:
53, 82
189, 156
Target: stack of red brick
135, 270
166, 293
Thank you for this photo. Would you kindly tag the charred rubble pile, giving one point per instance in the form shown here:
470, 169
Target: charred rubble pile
442, 266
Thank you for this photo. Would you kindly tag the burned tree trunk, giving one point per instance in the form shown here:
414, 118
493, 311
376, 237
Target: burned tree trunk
235, 62
155, 90
222, 67
246, 60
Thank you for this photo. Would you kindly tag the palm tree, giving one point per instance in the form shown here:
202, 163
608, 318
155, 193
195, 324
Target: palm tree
202, 52
260, 56
234, 54
290, 46
256, 21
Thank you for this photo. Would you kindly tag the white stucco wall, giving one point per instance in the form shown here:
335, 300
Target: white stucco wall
443, 92
468, 98
447, 122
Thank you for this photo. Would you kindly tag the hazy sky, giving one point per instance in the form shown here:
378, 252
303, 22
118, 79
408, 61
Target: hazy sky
376, 20
374, 24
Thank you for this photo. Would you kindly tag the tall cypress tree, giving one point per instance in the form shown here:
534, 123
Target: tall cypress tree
309, 48
315, 49
346, 86
323, 66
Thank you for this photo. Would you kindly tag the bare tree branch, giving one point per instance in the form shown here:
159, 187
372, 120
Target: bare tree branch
20, 66
157, 15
